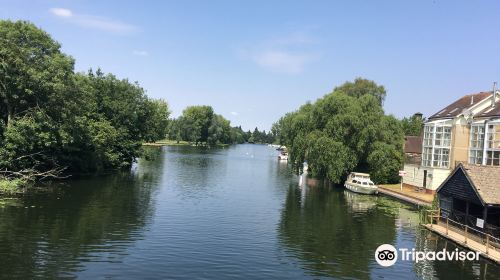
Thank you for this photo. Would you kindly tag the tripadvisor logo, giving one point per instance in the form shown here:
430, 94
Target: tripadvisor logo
387, 255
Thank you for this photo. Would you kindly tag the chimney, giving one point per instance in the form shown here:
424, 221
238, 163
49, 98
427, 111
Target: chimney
418, 115
494, 95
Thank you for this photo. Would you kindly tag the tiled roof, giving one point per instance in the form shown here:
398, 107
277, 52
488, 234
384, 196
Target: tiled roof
456, 108
486, 180
413, 144
490, 111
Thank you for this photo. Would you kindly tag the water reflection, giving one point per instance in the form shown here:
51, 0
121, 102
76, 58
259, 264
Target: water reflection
219, 214
359, 203
331, 242
94, 220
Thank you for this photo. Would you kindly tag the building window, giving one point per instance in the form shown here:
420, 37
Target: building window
427, 157
476, 144
436, 145
428, 135
441, 157
493, 144
475, 156
493, 158
442, 136
493, 137
477, 136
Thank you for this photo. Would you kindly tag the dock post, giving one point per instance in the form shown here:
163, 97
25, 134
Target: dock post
446, 226
430, 214
487, 243
466, 226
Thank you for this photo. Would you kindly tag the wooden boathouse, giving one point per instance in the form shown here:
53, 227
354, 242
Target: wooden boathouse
469, 209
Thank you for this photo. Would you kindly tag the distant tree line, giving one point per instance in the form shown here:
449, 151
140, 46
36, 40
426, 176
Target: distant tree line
200, 125
345, 131
52, 117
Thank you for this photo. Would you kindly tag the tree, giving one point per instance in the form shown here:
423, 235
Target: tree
412, 126
219, 131
51, 117
32, 68
361, 87
344, 131
196, 120
155, 120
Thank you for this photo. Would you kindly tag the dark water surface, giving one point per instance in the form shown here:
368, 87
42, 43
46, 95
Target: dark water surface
214, 214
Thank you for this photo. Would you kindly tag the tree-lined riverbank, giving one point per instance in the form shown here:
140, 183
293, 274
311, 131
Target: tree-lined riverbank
54, 121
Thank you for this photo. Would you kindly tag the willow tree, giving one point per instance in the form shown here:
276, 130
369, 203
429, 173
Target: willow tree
344, 131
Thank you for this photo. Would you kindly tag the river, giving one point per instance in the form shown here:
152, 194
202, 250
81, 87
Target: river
193, 213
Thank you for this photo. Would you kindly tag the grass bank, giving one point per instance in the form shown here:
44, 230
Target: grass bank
167, 142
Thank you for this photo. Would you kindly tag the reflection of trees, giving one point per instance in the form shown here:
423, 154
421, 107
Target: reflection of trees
328, 239
195, 171
93, 219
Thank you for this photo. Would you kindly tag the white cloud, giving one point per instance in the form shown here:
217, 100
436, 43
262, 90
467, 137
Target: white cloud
140, 53
290, 54
94, 22
60, 12
234, 113
282, 61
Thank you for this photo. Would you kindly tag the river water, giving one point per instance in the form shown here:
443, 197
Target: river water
230, 213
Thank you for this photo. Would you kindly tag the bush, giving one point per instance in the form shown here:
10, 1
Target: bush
11, 186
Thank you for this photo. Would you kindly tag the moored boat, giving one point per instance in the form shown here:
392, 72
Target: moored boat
283, 156
360, 183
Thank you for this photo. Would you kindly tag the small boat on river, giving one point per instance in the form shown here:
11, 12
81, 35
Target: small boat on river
283, 156
360, 183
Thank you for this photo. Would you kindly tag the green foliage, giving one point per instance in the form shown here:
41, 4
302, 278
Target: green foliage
51, 116
195, 121
261, 136
11, 186
412, 126
33, 70
200, 125
362, 87
344, 131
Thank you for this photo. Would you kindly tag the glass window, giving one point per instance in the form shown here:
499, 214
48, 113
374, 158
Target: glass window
428, 135
426, 157
443, 136
441, 157
446, 136
476, 144
476, 157
436, 145
493, 158
477, 136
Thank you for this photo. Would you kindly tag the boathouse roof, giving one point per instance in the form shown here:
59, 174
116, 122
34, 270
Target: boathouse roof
484, 181
457, 107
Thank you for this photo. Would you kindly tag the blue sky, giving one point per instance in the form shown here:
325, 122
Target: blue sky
253, 61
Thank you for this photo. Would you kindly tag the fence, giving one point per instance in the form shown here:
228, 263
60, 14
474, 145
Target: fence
435, 217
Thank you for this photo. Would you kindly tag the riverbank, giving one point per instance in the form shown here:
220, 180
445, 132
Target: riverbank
167, 142
406, 194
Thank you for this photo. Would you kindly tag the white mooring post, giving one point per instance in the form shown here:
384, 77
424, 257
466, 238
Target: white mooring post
402, 173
